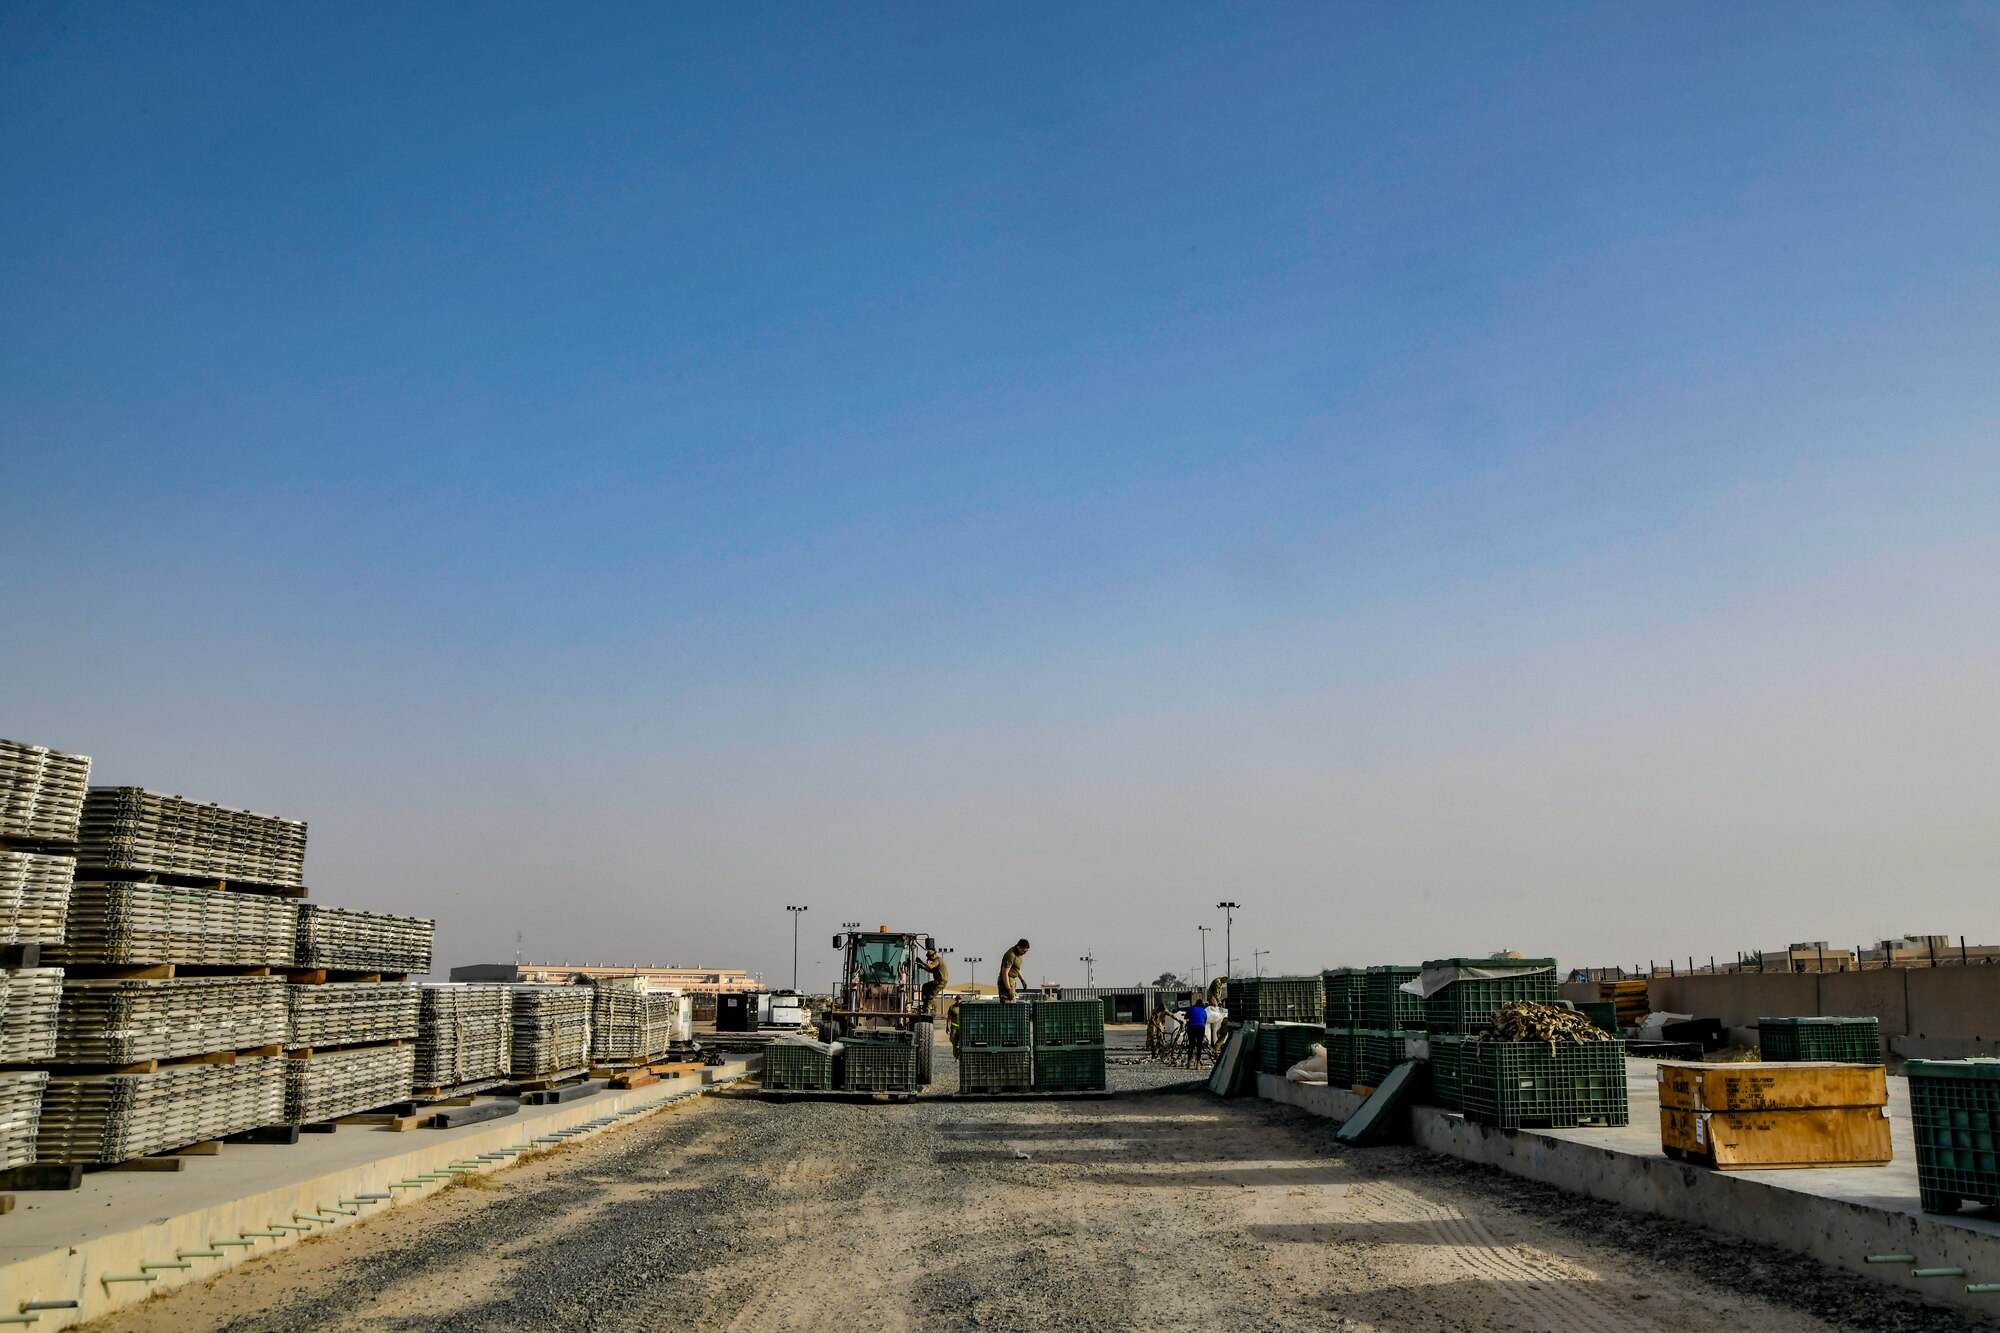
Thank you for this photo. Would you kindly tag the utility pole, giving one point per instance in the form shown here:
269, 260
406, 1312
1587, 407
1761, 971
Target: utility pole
1228, 926
1204, 953
796, 913
1257, 957
1089, 961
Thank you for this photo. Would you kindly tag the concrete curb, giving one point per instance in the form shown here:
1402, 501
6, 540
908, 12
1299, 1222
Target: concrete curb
101, 1273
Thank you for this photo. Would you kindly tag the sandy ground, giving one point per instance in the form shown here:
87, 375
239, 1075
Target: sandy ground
1162, 1209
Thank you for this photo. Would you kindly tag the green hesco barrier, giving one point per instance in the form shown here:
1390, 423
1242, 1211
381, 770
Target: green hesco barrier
1275, 1000
996, 1071
996, 1025
1955, 1117
798, 1068
1341, 988
871, 1068
1516, 1084
1385, 1006
1466, 1006
1069, 1069
1850, 1041
1068, 1023
1342, 1070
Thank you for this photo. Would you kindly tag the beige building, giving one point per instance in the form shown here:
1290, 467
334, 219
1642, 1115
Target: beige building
693, 980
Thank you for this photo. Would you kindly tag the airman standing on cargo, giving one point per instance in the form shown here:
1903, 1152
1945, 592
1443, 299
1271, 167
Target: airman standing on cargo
1010, 970
934, 964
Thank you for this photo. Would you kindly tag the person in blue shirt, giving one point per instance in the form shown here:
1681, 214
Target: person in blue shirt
1197, 1032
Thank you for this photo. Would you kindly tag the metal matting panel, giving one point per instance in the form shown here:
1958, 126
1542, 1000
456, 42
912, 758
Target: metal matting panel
341, 1083
126, 924
34, 896
464, 1034
116, 1117
341, 1013
130, 828
30, 998
125, 1021
20, 1114
347, 939
41, 792
551, 1029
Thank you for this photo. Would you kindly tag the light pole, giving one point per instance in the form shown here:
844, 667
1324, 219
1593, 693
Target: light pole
795, 911
1204, 953
1228, 927
1257, 958
972, 965
1089, 961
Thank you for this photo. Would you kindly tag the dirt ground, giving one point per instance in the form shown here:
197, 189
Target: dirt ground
1161, 1209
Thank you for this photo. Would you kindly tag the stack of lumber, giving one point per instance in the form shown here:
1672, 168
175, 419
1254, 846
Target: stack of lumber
124, 1021
464, 1034
344, 939
115, 1117
630, 1025
29, 1001
551, 1029
328, 1084
1629, 994
1764, 1115
129, 828
142, 924
34, 896
344, 1013
41, 792
20, 1113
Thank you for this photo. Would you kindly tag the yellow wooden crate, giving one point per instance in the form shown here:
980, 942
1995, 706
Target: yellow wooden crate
1751, 1140
1771, 1087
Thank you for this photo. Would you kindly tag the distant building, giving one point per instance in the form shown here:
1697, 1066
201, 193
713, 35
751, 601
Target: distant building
693, 980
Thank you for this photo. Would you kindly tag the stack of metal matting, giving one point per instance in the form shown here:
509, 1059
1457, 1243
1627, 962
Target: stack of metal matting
34, 896
464, 1034
631, 1025
29, 1000
343, 1013
125, 1021
116, 1117
551, 1029
20, 1112
355, 941
337, 1083
41, 792
116, 922
130, 828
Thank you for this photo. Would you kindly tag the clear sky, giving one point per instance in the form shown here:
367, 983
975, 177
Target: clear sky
1448, 477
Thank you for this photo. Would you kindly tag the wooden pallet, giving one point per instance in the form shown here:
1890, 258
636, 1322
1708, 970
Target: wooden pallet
313, 1052
155, 1066
320, 976
176, 880
158, 971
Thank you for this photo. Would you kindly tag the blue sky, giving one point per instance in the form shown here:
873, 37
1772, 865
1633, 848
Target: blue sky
1449, 478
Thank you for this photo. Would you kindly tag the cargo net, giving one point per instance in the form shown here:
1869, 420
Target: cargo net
121, 923
34, 896
551, 1029
630, 1025
123, 1022
344, 939
343, 1013
464, 1034
341, 1083
129, 828
41, 792
116, 1117
29, 998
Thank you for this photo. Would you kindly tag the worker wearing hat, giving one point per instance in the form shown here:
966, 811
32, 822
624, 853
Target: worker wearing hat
1010, 970
934, 964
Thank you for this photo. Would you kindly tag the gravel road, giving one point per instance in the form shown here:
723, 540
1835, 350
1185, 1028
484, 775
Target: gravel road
1159, 1208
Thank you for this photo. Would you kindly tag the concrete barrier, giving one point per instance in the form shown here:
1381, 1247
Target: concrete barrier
1836, 1216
